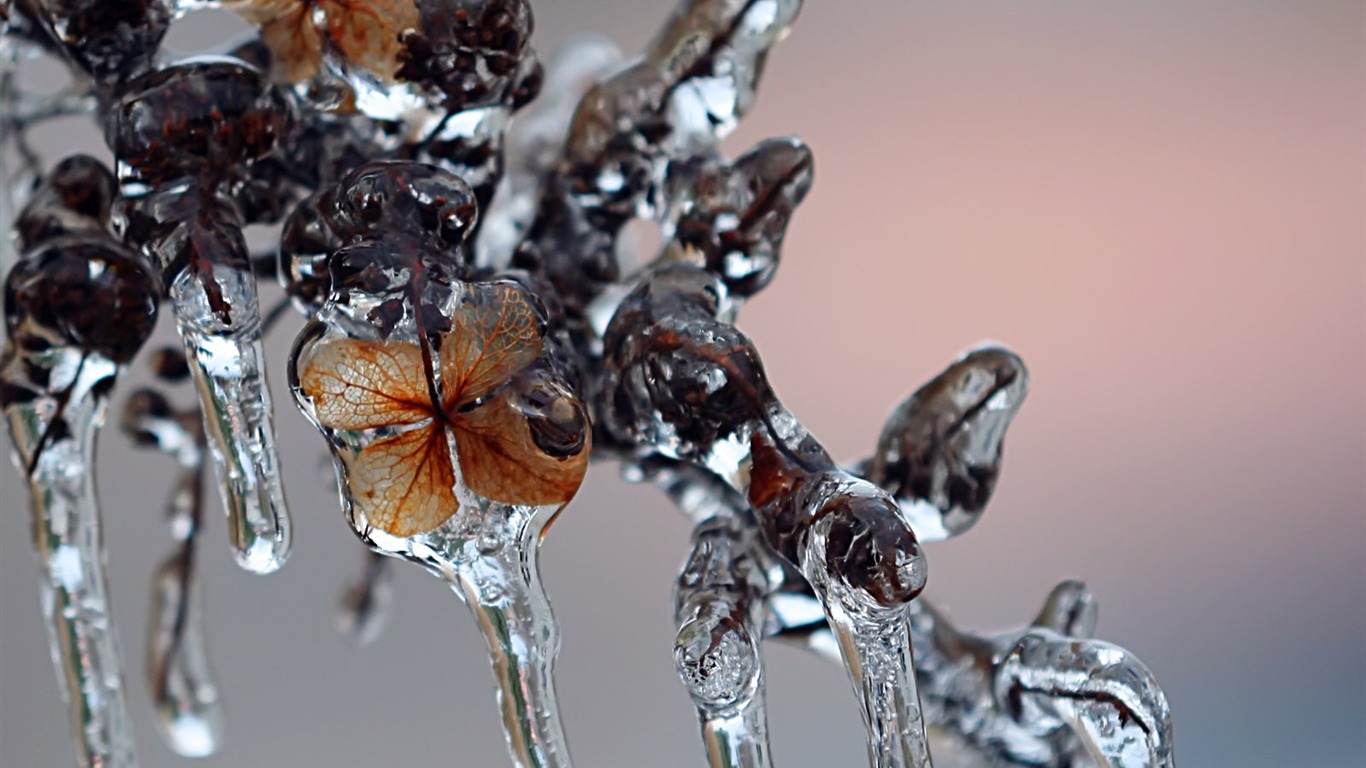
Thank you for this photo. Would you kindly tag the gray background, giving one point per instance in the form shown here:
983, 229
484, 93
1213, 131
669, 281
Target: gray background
1158, 204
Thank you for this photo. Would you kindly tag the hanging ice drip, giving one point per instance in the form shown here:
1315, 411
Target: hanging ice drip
457, 434
78, 307
185, 137
482, 320
185, 698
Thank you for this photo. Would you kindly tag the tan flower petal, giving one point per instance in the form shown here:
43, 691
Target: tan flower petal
367, 32
365, 384
287, 29
403, 485
500, 459
496, 334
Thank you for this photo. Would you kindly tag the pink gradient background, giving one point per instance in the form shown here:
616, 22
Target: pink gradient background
1159, 205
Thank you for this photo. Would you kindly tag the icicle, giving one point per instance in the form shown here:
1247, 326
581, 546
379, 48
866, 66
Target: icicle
865, 566
227, 360
181, 212
66, 527
456, 436
77, 307
499, 578
185, 698
719, 608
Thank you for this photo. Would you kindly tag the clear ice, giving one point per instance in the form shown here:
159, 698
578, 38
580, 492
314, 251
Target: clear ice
78, 305
456, 436
181, 207
67, 539
228, 363
719, 608
185, 697
470, 238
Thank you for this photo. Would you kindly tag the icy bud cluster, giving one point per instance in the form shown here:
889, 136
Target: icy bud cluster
457, 225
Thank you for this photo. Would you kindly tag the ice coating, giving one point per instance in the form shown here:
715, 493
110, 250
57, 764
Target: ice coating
68, 543
679, 98
668, 345
185, 697
670, 342
474, 63
719, 609
178, 133
732, 217
1108, 698
1051, 696
456, 435
229, 373
472, 296
448, 73
399, 60
865, 567
940, 451
77, 307
534, 142
111, 42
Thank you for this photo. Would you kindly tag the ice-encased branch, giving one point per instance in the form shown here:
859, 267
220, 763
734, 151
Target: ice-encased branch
1052, 695
78, 306
179, 134
719, 609
184, 695
70, 549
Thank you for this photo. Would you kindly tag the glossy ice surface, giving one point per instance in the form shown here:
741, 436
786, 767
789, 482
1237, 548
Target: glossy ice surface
653, 358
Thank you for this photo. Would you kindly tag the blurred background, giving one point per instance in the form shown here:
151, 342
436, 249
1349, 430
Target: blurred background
1159, 205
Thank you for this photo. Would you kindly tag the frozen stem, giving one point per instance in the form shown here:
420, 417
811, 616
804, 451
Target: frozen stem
503, 590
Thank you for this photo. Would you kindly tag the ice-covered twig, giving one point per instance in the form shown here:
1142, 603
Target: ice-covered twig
67, 539
719, 609
685, 384
1051, 695
109, 42
498, 576
185, 697
676, 101
179, 134
1108, 699
456, 433
77, 307
940, 451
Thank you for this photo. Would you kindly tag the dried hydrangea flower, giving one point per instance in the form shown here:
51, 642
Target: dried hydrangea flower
403, 484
